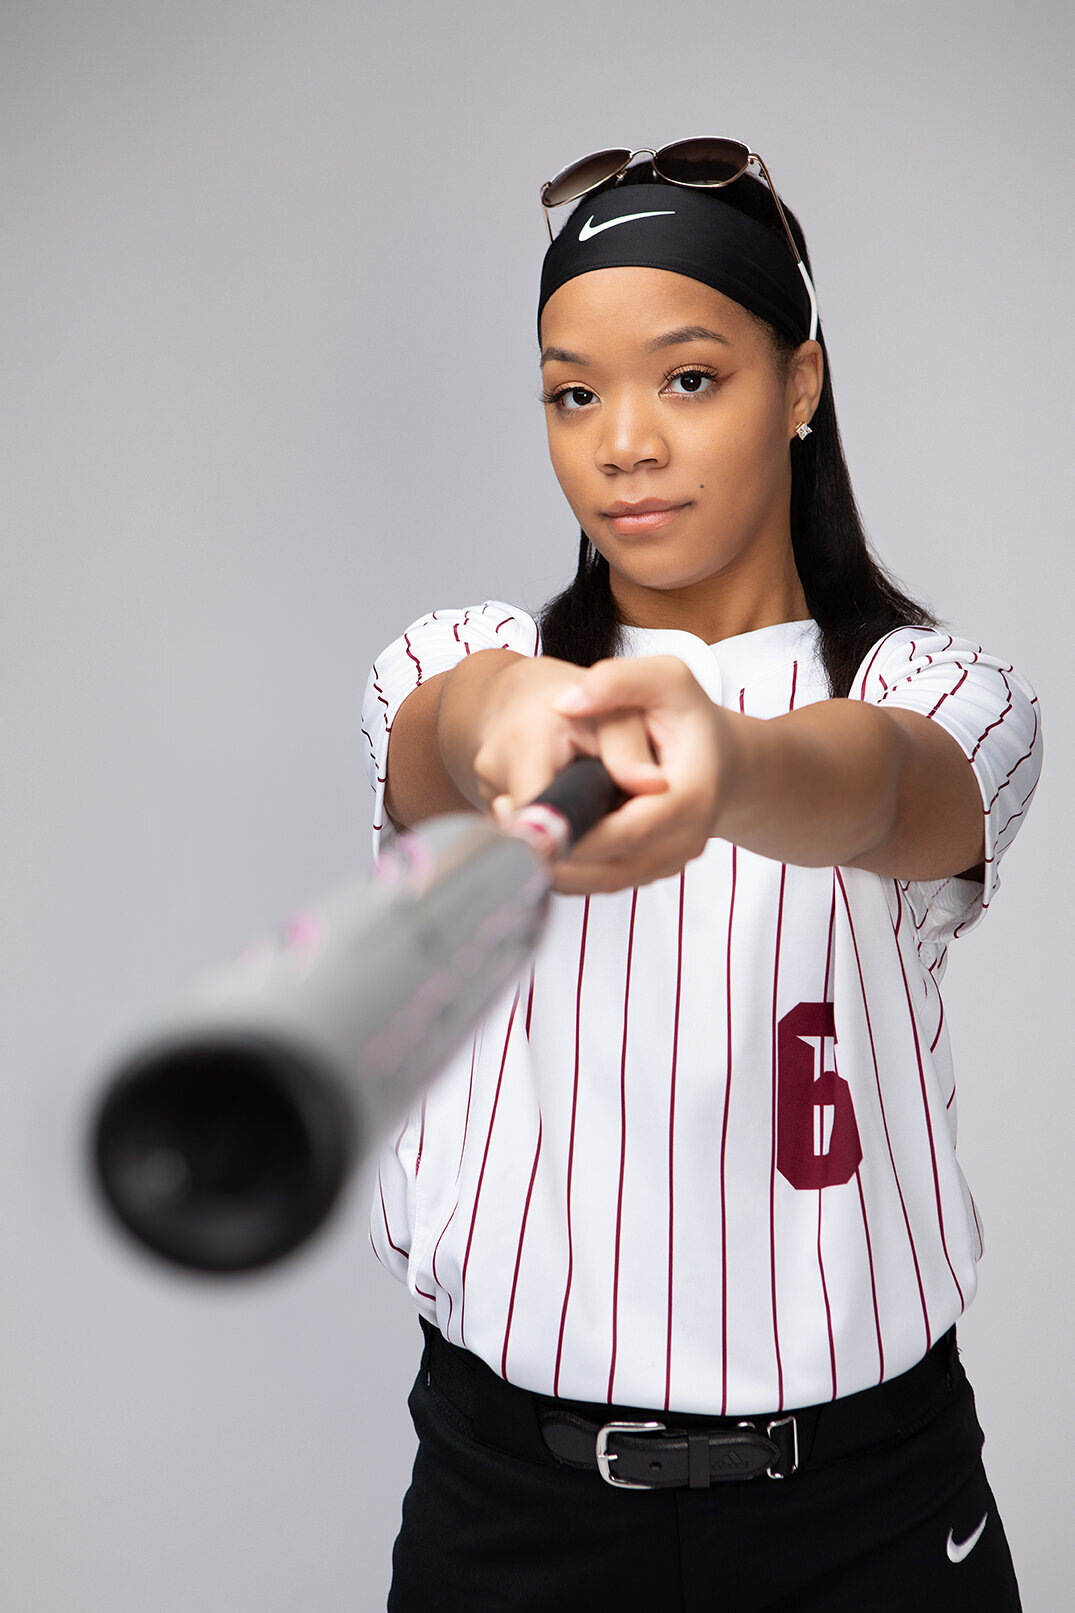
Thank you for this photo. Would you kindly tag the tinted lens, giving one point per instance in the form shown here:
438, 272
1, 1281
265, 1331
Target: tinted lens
703, 162
584, 175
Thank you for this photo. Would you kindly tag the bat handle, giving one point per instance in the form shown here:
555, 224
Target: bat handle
576, 800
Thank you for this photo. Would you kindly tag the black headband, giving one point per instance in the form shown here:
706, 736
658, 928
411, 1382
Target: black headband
691, 232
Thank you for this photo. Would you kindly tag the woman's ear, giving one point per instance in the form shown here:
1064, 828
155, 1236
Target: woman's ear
806, 372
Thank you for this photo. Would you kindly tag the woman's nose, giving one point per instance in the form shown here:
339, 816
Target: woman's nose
631, 437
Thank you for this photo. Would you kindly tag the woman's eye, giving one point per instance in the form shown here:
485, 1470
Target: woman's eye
690, 382
576, 397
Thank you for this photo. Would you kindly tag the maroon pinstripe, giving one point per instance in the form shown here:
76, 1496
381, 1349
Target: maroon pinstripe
884, 1116
997, 720
387, 1229
873, 1276
929, 1129
421, 1142
940, 1004
470, 1095
1025, 757
1000, 842
436, 1278
458, 1174
899, 911
379, 692
571, 1147
872, 662
414, 658
773, 1123
672, 1140
821, 1195
519, 1255
772, 1161
623, 1146
724, 1143
825, 1297
530, 1001
526, 1206
949, 692
481, 1173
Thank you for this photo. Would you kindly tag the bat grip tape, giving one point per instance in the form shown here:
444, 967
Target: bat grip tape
583, 794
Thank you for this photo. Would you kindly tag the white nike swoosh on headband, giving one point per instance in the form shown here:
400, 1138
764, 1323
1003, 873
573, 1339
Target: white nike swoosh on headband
590, 228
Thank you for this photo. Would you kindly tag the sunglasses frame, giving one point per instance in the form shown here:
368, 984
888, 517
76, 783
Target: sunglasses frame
622, 159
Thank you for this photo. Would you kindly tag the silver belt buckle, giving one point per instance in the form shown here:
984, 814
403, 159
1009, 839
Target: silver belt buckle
782, 1422
778, 1422
605, 1456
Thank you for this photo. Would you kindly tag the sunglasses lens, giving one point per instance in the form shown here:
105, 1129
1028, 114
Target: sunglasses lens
703, 162
584, 175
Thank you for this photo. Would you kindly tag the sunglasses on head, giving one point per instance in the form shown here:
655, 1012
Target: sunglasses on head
703, 164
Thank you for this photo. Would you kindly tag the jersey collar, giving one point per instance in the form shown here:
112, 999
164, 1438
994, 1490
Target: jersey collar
733, 662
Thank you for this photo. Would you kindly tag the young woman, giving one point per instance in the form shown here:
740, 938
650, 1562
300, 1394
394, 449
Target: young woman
684, 1222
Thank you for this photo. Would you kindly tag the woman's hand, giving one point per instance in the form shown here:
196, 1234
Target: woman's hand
499, 727
488, 734
675, 789
530, 734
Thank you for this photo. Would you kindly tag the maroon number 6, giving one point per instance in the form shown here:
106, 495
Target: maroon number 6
817, 1135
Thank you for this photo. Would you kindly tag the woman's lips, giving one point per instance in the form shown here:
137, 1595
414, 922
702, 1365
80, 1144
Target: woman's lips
648, 515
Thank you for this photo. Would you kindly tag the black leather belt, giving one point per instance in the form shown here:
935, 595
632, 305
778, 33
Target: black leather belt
633, 1449
653, 1455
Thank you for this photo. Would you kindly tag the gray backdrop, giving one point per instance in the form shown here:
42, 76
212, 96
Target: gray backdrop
269, 393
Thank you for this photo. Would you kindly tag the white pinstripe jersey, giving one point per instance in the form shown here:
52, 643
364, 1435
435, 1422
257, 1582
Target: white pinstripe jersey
702, 1155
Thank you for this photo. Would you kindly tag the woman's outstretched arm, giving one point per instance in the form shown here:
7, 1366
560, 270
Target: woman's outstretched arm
840, 781
837, 782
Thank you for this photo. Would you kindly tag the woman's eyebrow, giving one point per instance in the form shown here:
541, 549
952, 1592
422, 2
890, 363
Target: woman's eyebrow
670, 338
561, 355
685, 333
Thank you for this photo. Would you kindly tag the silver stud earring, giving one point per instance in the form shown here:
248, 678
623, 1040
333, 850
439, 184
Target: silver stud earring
802, 431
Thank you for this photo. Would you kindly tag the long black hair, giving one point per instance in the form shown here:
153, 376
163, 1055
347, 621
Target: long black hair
850, 596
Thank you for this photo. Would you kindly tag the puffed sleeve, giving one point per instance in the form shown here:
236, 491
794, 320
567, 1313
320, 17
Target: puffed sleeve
992, 713
433, 644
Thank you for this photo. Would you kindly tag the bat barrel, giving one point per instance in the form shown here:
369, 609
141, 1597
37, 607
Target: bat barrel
221, 1152
223, 1143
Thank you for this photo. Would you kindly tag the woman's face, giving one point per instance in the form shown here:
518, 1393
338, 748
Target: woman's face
669, 420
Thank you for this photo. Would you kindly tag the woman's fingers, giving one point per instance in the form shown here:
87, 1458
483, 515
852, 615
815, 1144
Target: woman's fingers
519, 771
642, 684
532, 734
657, 733
649, 837
525, 742
623, 745
671, 814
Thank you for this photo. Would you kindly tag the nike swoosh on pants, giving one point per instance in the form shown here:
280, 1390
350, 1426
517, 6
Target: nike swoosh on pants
958, 1550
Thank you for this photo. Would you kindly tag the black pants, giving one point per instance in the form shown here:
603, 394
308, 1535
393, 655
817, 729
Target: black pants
873, 1531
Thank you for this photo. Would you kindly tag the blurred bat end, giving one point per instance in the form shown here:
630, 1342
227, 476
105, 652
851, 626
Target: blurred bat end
221, 1154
